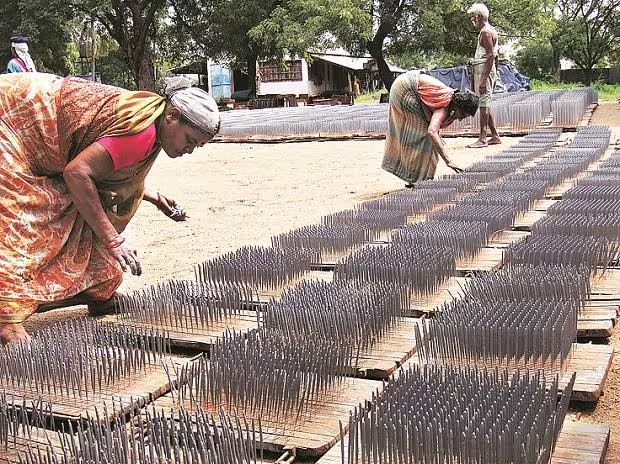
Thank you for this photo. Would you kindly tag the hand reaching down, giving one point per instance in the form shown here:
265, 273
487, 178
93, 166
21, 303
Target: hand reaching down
126, 256
170, 208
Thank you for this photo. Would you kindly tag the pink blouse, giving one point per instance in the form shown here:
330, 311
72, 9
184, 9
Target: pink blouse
128, 150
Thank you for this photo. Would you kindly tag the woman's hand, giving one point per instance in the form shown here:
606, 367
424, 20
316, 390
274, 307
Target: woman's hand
455, 168
170, 208
126, 256
449, 120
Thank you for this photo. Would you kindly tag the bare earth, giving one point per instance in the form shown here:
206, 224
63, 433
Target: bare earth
243, 194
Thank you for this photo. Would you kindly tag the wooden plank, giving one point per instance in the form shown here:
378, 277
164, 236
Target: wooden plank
599, 312
525, 221
594, 329
596, 320
581, 443
265, 295
505, 238
589, 362
606, 286
578, 443
556, 192
38, 439
314, 434
390, 352
123, 395
199, 338
447, 291
487, 259
544, 204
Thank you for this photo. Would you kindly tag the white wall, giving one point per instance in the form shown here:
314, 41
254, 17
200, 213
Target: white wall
283, 87
287, 87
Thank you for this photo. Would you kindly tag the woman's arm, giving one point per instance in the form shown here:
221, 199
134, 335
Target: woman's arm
437, 120
80, 174
166, 205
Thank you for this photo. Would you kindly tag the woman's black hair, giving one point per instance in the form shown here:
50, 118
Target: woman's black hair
466, 101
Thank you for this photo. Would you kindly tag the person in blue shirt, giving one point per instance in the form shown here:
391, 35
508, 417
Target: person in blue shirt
20, 60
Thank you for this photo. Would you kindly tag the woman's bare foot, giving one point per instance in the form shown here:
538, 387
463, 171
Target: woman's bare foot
13, 333
101, 308
478, 144
495, 141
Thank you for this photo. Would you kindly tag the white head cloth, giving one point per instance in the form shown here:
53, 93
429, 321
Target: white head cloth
21, 49
195, 104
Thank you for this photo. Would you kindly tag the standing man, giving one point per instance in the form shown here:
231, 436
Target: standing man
20, 58
485, 72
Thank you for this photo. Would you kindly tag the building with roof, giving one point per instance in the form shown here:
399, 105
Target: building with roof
327, 74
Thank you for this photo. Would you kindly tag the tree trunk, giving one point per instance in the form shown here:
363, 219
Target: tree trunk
390, 16
144, 70
387, 77
556, 54
588, 76
129, 22
251, 64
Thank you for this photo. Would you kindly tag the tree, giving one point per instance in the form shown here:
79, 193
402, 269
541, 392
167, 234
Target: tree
587, 31
433, 30
47, 24
132, 23
220, 30
300, 26
535, 59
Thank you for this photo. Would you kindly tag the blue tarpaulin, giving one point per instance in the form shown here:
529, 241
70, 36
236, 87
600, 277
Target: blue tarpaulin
510, 80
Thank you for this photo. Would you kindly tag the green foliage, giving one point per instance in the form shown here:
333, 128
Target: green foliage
587, 30
47, 24
535, 59
297, 26
605, 91
369, 98
444, 35
114, 71
218, 28
412, 33
132, 24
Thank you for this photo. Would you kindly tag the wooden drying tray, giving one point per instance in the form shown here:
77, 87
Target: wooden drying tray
123, 396
40, 439
596, 320
265, 295
312, 436
525, 221
199, 338
590, 363
390, 352
507, 131
578, 443
488, 258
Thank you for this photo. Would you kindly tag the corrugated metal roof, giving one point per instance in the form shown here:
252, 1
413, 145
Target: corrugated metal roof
355, 63
349, 62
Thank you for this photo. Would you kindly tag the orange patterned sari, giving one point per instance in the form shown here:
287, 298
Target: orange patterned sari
47, 251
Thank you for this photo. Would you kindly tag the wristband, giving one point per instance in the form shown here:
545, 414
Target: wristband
115, 242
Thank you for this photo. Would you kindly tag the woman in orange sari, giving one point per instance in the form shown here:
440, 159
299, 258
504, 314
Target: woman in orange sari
420, 106
73, 159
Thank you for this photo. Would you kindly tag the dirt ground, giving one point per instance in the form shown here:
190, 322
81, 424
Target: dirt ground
243, 194
607, 409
